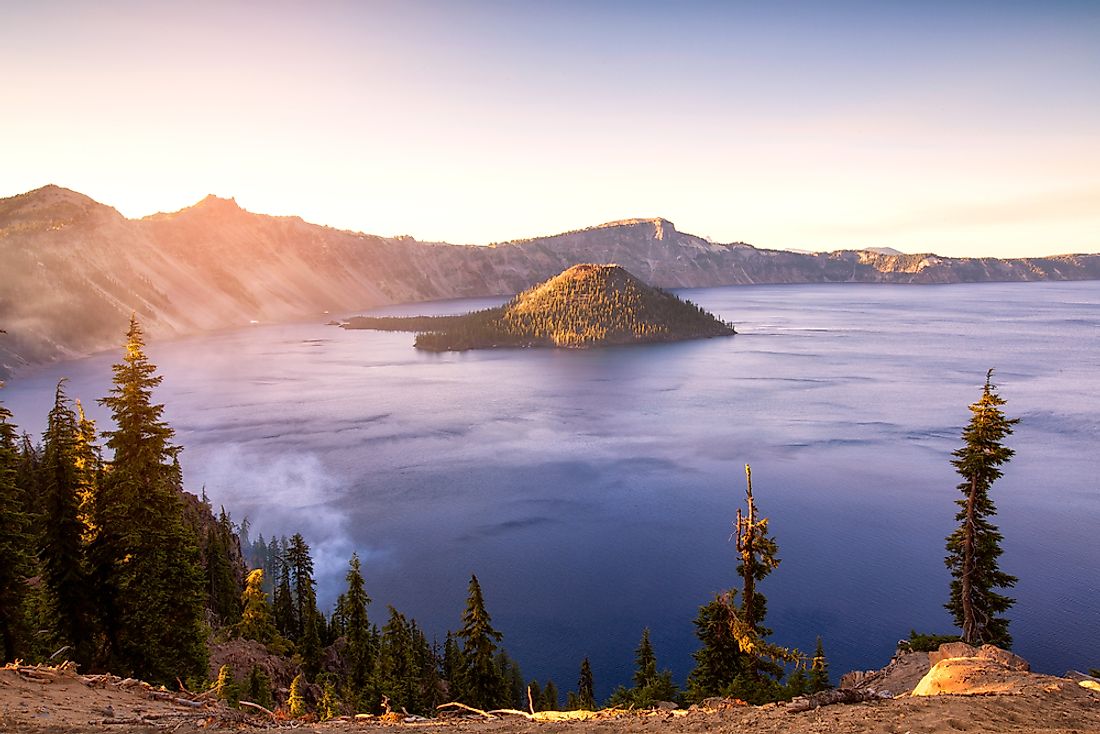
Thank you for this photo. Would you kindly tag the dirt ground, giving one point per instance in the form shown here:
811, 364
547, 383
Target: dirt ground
64, 703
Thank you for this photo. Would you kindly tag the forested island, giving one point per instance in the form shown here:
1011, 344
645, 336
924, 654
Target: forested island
585, 306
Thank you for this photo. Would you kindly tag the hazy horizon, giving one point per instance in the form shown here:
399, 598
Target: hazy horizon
964, 130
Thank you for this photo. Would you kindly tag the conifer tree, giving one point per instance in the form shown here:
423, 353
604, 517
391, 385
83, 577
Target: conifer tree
397, 675
359, 654
310, 644
304, 589
62, 550
89, 462
226, 688
737, 659
16, 542
480, 682
296, 701
586, 688
650, 686
223, 595
819, 670
975, 546
146, 558
259, 687
284, 602
550, 700
645, 662
255, 621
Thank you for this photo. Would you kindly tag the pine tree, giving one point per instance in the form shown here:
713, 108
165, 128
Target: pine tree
397, 675
226, 688
650, 686
145, 557
259, 687
255, 621
16, 542
223, 595
304, 589
359, 655
480, 682
550, 700
819, 670
586, 688
310, 644
973, 549
719, 661
284, 602
645, 662
736, 659
62, 550
296, 701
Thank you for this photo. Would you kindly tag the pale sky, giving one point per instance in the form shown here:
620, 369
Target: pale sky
953, 127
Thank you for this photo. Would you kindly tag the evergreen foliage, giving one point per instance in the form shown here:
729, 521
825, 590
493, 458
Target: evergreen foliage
296, 701
259, 687
974, 547
16, 544
256, 623
550, 698
226, 688
61, 545
300, 567
284, 603
819, 670
737, 660
146, 560
650, 686
479, 680
586, 688
352, 608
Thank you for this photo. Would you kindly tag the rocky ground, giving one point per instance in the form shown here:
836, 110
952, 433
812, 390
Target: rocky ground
960, 689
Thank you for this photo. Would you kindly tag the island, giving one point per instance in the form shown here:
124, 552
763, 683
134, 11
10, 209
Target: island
587, 305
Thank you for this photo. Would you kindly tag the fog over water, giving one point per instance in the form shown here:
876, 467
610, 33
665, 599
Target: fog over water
592, 491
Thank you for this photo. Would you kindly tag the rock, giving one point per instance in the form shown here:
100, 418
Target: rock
950, 650
979, 676
1008, 659
665, 706
900, 676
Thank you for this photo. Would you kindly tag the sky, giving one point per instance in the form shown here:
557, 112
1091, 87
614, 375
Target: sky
961, 128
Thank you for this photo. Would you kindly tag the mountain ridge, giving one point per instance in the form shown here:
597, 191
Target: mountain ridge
75, 269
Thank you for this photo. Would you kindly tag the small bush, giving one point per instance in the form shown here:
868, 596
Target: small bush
919, 642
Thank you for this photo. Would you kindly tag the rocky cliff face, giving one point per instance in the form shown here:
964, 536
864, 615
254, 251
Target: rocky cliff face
73, 269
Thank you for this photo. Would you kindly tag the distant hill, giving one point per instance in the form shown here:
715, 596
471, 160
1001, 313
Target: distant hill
72, 270
585, 306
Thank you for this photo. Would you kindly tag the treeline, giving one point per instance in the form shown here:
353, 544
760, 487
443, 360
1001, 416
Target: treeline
107, 562
585, 305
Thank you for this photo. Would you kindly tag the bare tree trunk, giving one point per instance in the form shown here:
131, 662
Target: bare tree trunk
969, 626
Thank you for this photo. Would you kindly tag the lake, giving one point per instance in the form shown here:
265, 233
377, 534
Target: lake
592, 491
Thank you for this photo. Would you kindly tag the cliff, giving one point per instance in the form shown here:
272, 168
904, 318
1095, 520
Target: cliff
74, 269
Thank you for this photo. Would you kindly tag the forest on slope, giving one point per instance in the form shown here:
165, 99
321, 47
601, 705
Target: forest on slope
586, 305
75, 269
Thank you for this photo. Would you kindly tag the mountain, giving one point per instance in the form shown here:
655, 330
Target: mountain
74, 269
585, 306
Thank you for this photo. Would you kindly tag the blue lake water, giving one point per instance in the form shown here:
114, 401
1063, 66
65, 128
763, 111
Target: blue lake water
592, 491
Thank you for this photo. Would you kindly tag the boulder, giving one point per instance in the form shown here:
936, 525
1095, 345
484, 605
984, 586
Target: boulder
950, 650
1008, 659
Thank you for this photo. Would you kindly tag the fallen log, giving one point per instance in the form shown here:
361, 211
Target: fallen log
828, 698
258, 707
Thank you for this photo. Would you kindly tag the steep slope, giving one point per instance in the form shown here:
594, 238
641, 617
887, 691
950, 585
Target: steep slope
74, 269
586, 305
